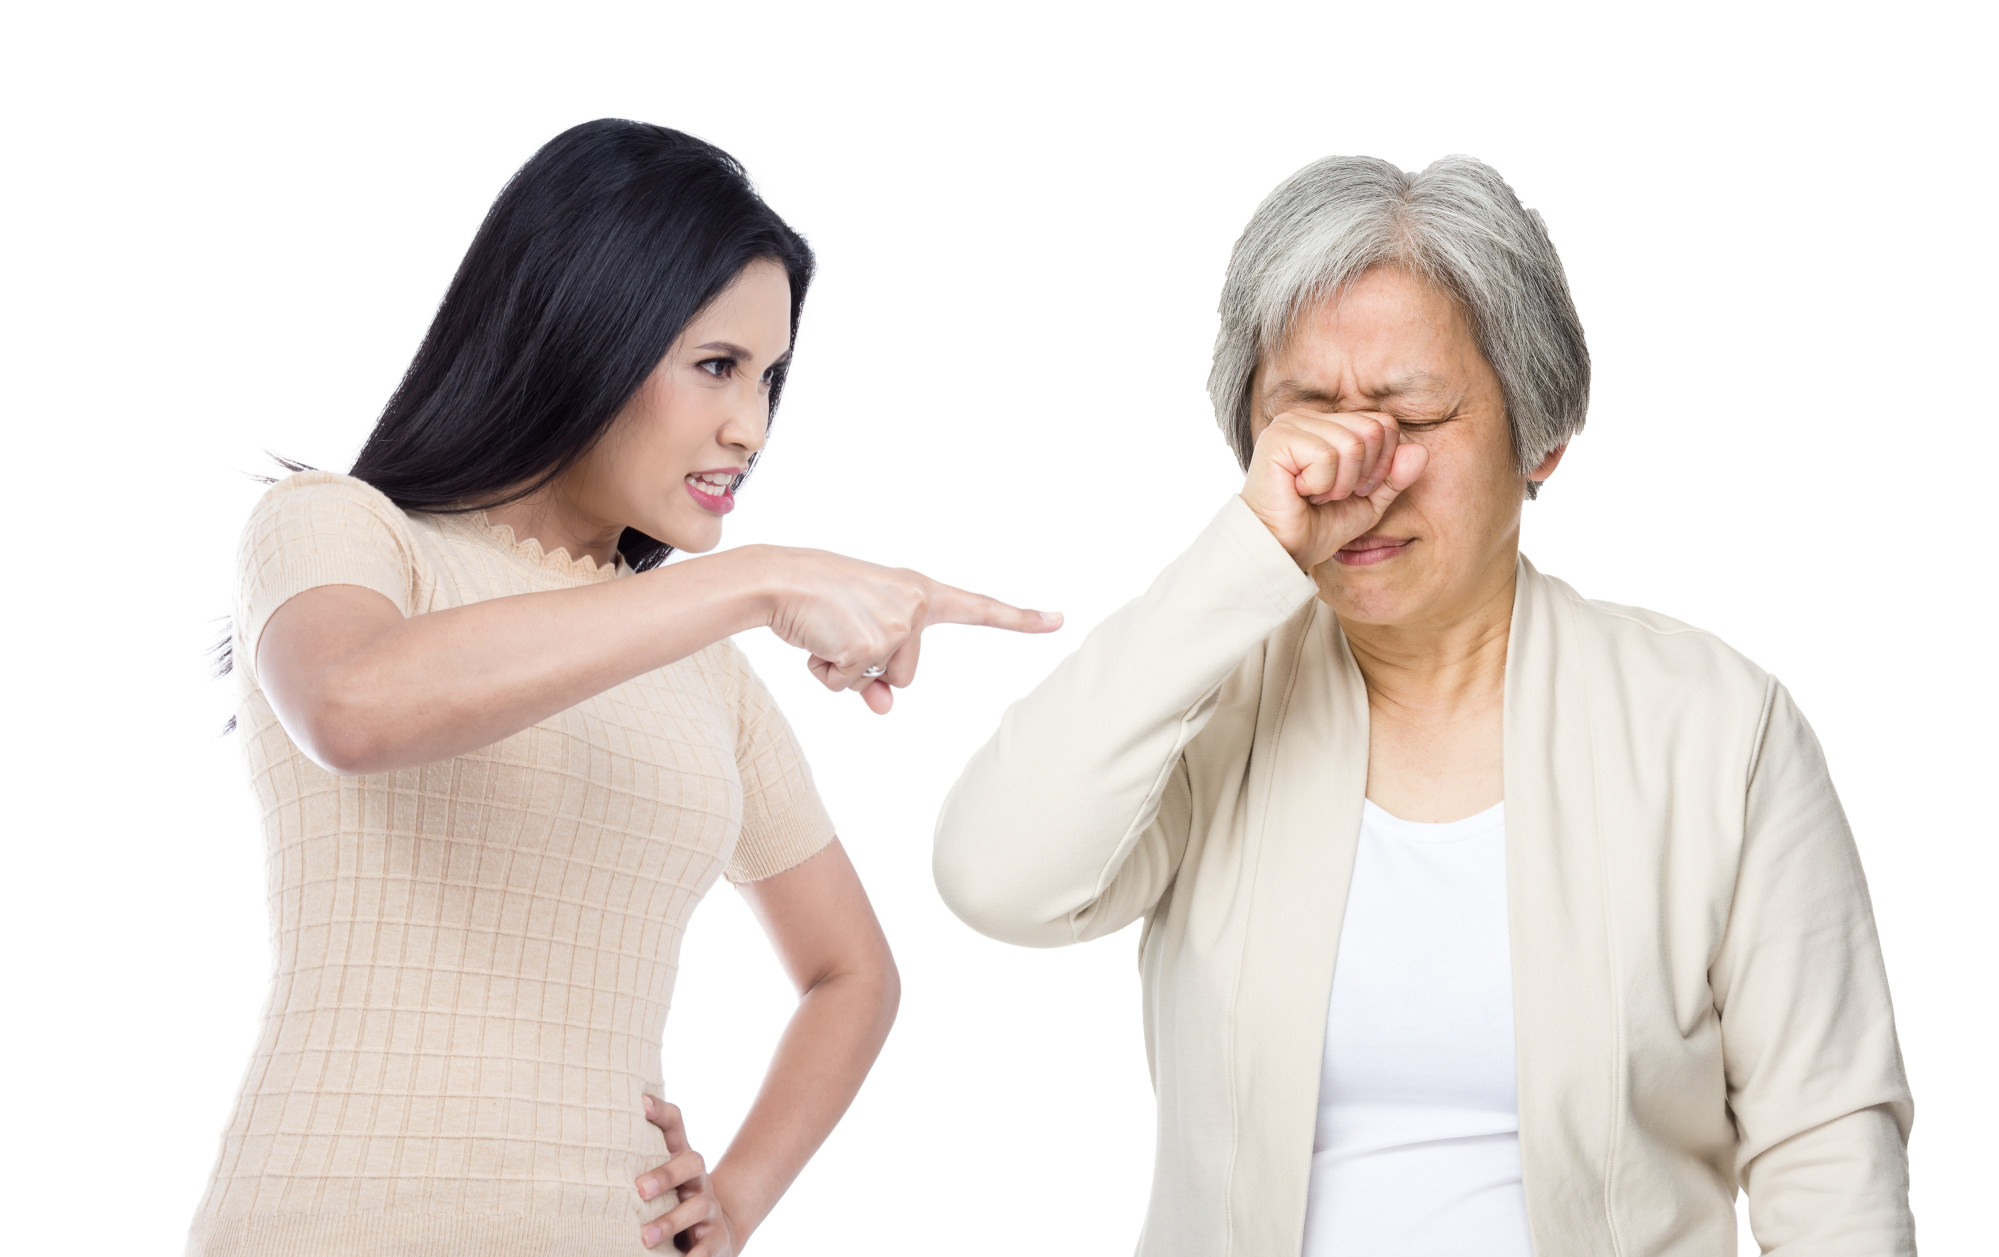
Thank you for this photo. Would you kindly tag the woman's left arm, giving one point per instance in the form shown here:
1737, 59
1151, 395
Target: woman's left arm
1814, 1072
818, 917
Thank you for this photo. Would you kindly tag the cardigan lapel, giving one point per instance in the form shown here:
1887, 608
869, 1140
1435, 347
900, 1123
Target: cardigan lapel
1563, 1002
1308, 777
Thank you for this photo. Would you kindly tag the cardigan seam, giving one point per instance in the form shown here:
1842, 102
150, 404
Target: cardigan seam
1616, 1124
1749, 767
1127, 841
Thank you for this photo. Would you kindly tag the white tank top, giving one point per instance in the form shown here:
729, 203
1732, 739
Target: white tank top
1418, 1143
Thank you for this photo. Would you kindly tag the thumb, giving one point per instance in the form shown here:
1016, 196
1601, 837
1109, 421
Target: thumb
1409, 462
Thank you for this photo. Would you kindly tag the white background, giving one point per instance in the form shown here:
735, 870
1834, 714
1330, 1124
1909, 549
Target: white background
227, 227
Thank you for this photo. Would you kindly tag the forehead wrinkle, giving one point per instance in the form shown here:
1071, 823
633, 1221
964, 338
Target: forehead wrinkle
1414, 381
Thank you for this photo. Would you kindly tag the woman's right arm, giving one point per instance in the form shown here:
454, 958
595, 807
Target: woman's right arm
362, 689
1071, 822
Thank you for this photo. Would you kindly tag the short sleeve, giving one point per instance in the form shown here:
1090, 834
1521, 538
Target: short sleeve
784, 820
319, 528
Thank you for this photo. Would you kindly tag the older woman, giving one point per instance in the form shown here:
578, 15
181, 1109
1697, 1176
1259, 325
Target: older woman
1479, 917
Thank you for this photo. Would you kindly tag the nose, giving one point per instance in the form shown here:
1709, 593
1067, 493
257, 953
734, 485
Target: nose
748, 426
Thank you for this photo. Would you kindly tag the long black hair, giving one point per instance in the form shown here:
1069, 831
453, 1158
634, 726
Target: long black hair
593, 258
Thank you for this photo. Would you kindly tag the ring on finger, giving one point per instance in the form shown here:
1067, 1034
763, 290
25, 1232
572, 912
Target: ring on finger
874, 670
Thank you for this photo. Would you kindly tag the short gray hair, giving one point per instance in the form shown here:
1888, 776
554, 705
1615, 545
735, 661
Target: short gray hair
1456, 224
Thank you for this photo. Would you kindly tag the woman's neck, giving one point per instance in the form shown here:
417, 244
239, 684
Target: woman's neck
552, 517
1445, 666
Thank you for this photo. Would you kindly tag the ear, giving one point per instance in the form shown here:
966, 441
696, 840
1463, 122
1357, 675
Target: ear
1548, 464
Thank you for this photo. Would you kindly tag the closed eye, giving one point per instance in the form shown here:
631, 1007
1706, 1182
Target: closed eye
1423, 425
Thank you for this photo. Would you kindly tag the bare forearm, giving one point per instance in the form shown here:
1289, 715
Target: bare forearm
437, 685
820, 1063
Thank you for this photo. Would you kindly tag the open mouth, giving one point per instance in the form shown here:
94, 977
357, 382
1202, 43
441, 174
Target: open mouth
710, 490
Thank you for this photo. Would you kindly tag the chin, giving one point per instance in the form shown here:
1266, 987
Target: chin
698, 543
1364, 598
696, 535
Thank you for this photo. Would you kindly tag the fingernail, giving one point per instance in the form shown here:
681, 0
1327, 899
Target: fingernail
650, 1235
649, 1104
1055, 616
648, 1188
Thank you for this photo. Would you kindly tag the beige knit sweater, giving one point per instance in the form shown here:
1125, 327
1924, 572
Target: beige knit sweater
473, 958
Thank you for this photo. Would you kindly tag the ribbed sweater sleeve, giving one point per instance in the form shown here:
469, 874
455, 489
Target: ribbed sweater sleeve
784, 820
319, 528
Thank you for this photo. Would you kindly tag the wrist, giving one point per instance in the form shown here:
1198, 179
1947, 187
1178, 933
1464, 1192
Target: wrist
1285, 537
752, 580
742, 1220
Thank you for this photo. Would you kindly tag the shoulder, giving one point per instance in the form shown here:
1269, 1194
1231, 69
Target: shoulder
1641, 633
1661, 668
312, 500
323, 527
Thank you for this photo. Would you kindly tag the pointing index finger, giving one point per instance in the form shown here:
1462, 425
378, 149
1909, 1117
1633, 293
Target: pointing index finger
951, 605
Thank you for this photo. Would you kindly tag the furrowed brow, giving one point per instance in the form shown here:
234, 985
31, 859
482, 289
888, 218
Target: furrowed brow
1287, 393
1411, 382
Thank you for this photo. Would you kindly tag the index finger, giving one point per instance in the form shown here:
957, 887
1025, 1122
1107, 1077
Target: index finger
951, 605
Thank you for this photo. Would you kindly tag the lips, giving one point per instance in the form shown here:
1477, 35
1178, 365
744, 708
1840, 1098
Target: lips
1375, 541
711, 489
1371, 549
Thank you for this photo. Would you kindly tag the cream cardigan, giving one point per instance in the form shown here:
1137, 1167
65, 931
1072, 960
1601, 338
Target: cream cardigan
1698, 994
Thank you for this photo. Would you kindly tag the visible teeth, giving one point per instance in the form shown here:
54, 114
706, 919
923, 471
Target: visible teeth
716, 484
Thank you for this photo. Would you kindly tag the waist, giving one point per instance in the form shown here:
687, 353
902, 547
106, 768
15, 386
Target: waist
416, 1234
553, 1160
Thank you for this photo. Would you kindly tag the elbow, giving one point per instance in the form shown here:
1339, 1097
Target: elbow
984, 898
339, 729
869, 988
889, 992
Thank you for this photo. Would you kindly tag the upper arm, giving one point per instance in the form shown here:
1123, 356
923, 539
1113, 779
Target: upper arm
818, 918
326, 565
1071, 820
318, 529
1813, 1069
1134, 884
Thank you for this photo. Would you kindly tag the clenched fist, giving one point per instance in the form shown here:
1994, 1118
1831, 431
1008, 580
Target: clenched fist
1318, 480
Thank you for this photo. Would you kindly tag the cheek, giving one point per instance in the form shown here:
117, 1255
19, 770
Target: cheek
1448, 499
669, 434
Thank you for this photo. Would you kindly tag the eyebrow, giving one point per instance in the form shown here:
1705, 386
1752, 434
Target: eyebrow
1294, 391
737, 351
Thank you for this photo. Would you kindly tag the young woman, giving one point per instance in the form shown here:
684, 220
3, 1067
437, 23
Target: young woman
501, 752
